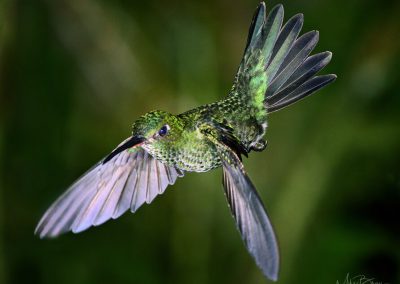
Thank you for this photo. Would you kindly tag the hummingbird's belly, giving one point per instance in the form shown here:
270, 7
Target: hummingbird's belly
198, 159
201, 157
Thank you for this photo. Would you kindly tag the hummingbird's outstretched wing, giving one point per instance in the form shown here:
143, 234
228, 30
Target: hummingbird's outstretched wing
106, 191
246, 206
250, 215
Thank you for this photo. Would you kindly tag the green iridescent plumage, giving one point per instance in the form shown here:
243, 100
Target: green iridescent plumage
276, 71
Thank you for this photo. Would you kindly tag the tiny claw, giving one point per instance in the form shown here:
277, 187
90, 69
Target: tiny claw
259, 146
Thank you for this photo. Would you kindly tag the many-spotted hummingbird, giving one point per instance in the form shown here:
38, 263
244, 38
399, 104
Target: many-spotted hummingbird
276, 71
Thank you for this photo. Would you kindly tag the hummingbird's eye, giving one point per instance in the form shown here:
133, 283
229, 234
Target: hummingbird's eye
163, 130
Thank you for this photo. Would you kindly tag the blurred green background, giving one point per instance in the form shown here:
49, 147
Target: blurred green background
75, 74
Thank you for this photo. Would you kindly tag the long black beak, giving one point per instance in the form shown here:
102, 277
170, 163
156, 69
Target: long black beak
128, 143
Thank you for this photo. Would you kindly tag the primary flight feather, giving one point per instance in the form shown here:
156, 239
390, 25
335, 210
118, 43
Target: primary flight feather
276, 71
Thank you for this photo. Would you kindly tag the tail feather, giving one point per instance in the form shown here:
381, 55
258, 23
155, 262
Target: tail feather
276, 64
283, 45
284, 99
263, 33
303, 46
306, 71
292, 68
298, 53
270, 32
255, 27
293, 24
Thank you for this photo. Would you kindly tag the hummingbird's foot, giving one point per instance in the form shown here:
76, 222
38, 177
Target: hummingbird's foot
259, 145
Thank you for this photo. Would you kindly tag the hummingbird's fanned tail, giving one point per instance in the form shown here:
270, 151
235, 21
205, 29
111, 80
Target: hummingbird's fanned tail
276, 69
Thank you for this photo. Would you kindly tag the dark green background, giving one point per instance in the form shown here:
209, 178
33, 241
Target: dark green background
76, 74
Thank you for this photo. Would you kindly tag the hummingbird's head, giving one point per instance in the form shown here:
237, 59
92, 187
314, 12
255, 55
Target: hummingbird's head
157, 127
156, 131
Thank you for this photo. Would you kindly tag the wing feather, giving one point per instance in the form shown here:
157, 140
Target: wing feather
251, 218
141, 183
106, 191
247, 208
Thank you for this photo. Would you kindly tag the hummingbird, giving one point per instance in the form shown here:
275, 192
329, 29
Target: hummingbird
276, 71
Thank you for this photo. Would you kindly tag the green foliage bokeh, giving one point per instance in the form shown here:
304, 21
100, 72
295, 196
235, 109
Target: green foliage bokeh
75, 74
